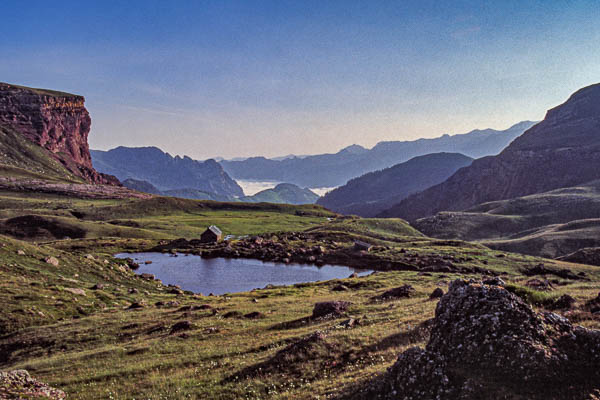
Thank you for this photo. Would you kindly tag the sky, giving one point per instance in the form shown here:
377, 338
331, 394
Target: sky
246, 78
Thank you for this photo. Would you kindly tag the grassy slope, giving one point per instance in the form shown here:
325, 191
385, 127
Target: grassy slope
92, 346
547, 224
158, 218
20, 158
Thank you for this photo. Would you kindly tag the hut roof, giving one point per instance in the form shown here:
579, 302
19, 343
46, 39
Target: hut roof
215, 230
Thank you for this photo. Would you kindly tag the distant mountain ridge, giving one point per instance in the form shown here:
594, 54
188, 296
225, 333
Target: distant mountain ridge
374, 192
329, 170
283, 193
561, 151
185, 193
166, 172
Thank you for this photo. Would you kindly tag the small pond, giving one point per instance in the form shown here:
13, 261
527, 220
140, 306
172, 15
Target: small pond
224, 275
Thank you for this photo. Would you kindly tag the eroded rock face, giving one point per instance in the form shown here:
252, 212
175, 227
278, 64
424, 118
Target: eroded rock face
486, 343
58, 122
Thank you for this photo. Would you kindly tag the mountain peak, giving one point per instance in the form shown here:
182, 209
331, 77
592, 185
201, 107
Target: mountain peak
353, 149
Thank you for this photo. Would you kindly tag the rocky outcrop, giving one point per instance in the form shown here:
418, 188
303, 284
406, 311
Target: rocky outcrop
19, 384
561, 151
486, 343
58, 122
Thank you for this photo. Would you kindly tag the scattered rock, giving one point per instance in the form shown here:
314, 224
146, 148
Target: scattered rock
349, 323
593, 305
181, 326
292, 359
486, 343
494, 281
137, 305
564, 302
541, 269
232, 314
147, 276
400, 292
340, 288
203, 307
133, 291
436, 294
20, 252
19, 384
52, 261
254, 315
79, 292
539, 284
98, 286
328, 308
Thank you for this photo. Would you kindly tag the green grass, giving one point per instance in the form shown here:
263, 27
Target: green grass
93, 346
20, 158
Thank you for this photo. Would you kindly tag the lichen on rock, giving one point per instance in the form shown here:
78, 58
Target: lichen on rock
486, 343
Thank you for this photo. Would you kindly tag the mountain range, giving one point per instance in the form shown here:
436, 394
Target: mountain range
561, 151
374, 192
330, 170
286, 193
165, 172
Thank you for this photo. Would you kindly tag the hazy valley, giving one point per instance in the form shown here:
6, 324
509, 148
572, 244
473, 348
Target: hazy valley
86, 323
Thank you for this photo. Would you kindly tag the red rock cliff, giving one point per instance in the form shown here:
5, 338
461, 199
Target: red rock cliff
59, 122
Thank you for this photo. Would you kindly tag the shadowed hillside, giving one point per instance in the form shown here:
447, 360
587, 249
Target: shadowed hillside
561, 151
374, 192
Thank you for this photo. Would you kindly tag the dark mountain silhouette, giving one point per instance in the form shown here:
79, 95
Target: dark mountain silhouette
561, 151
165, 172
375, 192
283, 193
327, 170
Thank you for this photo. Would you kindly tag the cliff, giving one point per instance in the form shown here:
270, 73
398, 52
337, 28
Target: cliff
561, 151
56, 121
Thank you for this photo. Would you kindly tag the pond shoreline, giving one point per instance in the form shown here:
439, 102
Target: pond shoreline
226, 275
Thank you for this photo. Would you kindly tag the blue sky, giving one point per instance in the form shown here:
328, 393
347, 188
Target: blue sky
241, 78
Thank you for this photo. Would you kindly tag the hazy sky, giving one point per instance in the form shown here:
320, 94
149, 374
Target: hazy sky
240, 78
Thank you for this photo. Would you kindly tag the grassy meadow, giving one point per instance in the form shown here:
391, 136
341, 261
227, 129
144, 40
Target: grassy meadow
90, 326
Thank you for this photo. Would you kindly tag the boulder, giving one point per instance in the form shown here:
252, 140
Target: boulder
328, 308
52, 261
436, 294
77, 291
400, 292
181, 326
564, 302
486, 343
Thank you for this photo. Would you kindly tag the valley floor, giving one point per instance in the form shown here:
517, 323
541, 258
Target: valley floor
84, 322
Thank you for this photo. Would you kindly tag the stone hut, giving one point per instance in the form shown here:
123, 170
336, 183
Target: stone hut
211, 235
